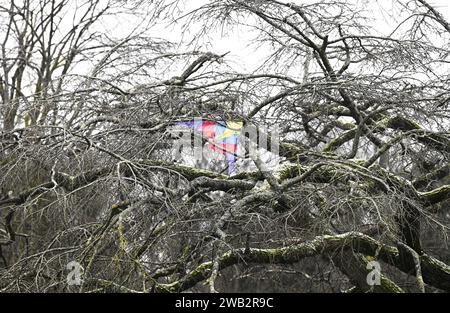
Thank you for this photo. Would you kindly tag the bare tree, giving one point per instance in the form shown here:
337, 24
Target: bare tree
87, 164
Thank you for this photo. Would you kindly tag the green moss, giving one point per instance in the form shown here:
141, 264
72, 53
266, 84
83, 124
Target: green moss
287, 170
386, 285
383, 124
437, 195
339, 141
187, 171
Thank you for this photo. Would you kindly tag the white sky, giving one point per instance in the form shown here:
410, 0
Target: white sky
246, 58
242, 57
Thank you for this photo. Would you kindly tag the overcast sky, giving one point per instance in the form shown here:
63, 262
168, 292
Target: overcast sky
242, 56
245, 57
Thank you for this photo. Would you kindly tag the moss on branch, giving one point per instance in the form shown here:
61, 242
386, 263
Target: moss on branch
188, 172
435, 273
433, 140
435, 196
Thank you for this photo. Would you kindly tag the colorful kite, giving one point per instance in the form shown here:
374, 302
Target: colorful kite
222, 137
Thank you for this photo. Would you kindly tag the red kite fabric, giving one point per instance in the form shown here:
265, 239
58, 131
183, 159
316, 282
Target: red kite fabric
222, 137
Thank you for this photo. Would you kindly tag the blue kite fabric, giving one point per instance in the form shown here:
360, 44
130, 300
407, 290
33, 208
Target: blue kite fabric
222, 136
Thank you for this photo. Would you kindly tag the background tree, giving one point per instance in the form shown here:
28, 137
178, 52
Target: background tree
87, 162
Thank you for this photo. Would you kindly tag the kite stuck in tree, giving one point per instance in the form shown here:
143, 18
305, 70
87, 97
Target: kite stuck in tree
222, 136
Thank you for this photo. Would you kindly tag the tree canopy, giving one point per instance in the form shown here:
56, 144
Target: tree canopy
357, 95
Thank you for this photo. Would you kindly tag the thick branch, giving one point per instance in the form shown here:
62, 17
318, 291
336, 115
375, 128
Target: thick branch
434, 272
